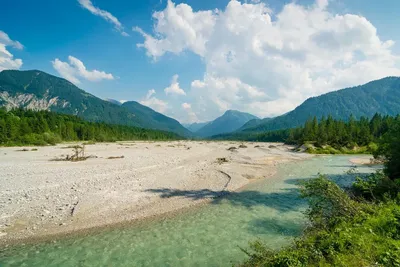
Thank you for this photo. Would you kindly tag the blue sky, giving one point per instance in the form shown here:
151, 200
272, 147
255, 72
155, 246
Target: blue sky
195, 65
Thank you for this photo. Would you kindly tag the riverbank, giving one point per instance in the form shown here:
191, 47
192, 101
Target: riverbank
121, 182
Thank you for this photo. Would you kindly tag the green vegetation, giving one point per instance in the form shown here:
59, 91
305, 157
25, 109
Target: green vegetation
38, 90
329, 136
25, 127
357, 226
381, 96
272, 136
155, 120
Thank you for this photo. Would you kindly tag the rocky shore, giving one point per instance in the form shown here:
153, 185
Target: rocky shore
121, 182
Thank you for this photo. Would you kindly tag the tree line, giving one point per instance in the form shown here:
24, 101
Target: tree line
327, 131
27, 127
338, 133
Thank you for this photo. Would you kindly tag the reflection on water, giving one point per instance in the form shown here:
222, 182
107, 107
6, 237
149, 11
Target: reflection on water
270, 210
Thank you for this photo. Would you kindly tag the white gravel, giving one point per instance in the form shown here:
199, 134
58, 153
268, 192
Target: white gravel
40, 197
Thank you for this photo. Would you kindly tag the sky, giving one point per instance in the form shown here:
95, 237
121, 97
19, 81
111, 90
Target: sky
193, 60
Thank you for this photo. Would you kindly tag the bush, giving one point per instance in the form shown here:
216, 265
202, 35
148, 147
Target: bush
370, 237
33, 139
376, 186
372, 147
328, 203
389, 149
51, 138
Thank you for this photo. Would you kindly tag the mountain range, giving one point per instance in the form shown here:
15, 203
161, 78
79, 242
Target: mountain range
230, 121
38, 90
380, 96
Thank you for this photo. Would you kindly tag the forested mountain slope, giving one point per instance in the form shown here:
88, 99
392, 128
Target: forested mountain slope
380, 96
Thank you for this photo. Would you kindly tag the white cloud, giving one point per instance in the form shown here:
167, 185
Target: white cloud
153, 102
179, 28
5, 39
189, 116
87, 4
174, 87
75, 69
268, 64
150, 93
7, 60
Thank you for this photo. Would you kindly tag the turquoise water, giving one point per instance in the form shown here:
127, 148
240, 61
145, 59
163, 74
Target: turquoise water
211, 235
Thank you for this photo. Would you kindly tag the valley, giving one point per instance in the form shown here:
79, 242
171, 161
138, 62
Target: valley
240, 133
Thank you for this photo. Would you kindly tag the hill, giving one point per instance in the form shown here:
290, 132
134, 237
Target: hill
37, 90
230, 121
155, 120
380, 96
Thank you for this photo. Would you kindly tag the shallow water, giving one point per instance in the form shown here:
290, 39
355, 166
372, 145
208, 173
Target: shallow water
212, 235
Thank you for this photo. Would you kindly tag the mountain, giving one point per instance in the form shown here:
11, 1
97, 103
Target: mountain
230, 121
155, 120
116, 102
194, 127
38, 90
380, 96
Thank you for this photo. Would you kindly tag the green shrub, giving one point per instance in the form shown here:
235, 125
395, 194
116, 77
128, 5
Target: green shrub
376, 186
366, 239
51, 138
33, 139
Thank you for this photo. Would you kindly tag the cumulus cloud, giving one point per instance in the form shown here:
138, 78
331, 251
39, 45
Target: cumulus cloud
153, 102
180, 28
174, 87
267, 63
87, 4
75, 69
7, 60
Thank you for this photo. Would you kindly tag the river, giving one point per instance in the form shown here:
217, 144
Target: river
210, 235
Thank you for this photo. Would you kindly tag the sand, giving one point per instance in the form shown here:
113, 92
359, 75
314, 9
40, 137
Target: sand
40, 197
364, 161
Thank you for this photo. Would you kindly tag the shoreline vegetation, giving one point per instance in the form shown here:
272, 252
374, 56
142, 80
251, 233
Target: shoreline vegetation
326, 136
21, 127
355, 226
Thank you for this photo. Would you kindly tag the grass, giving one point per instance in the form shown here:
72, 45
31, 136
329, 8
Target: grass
339, 151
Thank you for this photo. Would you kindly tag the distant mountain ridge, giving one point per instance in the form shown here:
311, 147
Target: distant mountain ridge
380, 96
194, 127
38, 90
116, 102
230, 121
